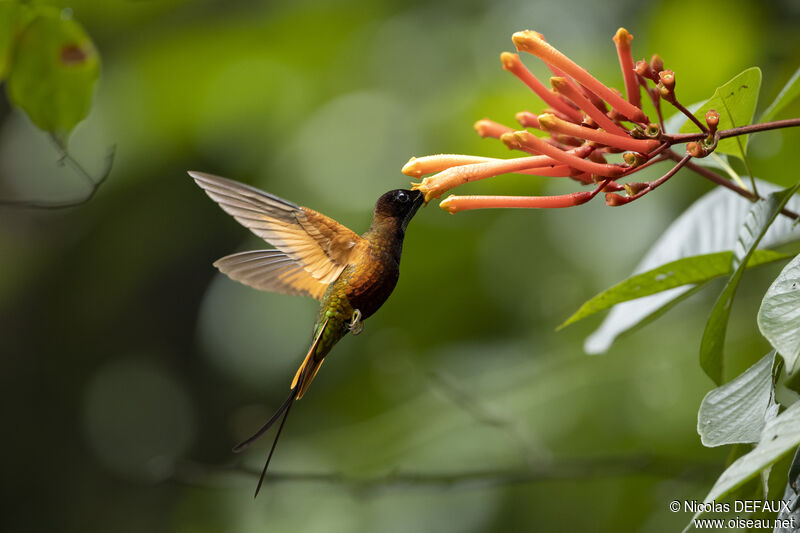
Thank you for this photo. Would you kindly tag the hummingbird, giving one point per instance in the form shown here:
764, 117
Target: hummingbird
351, 275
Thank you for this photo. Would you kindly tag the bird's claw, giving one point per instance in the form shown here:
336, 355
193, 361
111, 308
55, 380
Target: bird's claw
356, 326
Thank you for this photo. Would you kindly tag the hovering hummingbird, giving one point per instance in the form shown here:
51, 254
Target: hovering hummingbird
315, 256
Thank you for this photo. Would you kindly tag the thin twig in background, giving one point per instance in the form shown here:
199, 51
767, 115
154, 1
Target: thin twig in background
68, 159
195, 474
484, 415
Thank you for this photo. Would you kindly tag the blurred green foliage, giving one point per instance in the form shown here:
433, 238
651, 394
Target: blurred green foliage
129, 368
52, 65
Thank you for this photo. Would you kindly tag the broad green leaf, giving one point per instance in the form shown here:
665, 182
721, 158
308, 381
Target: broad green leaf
779, 315
53, 70
689, 270
789, 92
709, 225
755, 225
779, 436
785, 518
736, 412
10, 15
736, 103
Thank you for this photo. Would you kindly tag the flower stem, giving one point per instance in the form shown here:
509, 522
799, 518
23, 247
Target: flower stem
677, 138
719, 180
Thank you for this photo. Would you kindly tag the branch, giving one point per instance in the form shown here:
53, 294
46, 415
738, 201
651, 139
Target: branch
678, 138
66, 157
482, 414
719, 180
578, 469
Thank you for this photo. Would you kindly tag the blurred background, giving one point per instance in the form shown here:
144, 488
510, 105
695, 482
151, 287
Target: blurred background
130, 367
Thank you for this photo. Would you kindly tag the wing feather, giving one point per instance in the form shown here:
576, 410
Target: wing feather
317, 247
271, 270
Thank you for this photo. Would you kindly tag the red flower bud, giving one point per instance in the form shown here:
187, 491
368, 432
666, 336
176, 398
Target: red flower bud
667, 77
656, 63
696, 149
615, 200
712, 120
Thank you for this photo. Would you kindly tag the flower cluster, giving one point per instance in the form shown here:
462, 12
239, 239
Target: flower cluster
584, 122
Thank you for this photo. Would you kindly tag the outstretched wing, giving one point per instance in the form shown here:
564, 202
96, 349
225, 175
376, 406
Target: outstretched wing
271, 270
312, 249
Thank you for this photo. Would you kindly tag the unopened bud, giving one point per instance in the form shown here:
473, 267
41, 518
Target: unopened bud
712, 120
696, 149
643, 69
667, 77
614, 200
633, 159
635, 188
656, 63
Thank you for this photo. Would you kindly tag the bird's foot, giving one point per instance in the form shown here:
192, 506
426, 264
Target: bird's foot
356, 326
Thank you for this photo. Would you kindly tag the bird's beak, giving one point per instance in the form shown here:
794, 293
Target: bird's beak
418, 200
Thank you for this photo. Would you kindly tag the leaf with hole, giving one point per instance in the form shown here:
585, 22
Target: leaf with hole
53, 70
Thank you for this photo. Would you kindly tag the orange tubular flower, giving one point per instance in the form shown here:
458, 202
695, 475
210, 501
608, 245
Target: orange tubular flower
553, 124
512, 63
528, 140
454, 204
584, 122
527, 119
622, 40
532, 42
489, 128
563, 86
434, 186
429, 164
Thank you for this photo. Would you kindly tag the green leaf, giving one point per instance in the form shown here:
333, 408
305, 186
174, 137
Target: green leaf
709, 225
737, 411
53, 70
761, 215
689, 270
779, 315
779, 436
789, 92
10, 17
785, 518
736, 103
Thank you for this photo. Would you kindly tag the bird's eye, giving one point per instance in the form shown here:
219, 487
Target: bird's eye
402, 196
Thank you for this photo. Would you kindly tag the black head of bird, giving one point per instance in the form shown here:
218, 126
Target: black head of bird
351, 275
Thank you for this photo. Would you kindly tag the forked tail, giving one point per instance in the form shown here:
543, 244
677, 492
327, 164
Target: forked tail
300, 384
282, 410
